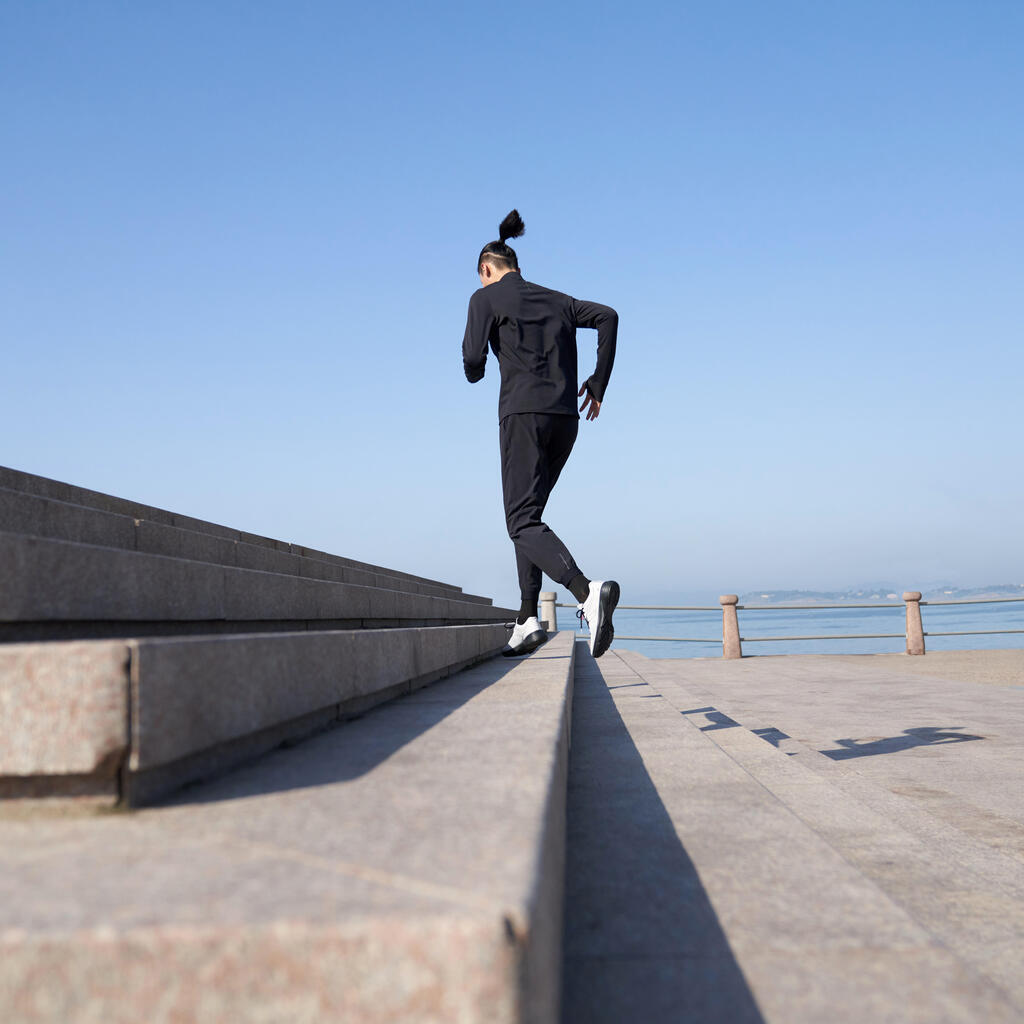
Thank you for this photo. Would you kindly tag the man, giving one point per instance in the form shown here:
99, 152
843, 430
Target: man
532, 332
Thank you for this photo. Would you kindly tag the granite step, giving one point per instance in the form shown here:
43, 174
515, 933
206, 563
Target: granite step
17, 481
404, 866
55, 589
122, 722
34, 515
711, 875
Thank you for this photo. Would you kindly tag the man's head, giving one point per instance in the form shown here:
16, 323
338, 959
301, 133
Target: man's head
496, 259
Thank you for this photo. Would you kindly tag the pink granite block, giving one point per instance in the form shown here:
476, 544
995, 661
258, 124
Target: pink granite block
63, 708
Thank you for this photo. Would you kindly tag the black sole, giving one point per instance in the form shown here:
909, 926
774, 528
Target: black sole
528, 646
606, 634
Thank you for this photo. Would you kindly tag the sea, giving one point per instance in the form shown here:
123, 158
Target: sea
778, 621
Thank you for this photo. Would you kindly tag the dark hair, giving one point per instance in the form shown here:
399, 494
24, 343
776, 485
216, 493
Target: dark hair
498, 253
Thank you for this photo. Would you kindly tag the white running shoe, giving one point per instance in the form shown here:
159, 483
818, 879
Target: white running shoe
525, 638
597, 610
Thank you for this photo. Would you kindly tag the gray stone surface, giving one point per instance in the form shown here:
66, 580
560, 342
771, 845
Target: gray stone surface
353, 563
258, 540
27, 483
191, 694
159, 539
46, 517
194, 525
405, 866
50, 580
56, 580
194, 540
707, 870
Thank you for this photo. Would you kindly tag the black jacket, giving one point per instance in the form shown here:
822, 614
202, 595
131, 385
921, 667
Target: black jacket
532, 331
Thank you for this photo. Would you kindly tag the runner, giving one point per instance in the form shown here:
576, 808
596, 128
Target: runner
532, 332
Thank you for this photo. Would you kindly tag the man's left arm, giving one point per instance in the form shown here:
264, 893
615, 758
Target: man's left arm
479, 323
606, 320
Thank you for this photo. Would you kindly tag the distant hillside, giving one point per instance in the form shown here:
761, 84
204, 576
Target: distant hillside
883, 594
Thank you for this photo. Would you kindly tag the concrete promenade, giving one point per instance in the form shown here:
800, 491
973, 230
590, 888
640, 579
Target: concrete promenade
796, 839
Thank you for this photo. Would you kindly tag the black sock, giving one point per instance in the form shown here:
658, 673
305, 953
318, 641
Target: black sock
527, 610
579, 587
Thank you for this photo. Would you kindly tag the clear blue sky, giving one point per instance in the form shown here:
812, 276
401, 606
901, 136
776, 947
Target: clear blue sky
238, 240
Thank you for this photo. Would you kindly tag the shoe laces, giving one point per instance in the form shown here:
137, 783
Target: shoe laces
581, 617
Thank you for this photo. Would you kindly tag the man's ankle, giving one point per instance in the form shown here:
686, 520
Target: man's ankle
527, 610
579, 587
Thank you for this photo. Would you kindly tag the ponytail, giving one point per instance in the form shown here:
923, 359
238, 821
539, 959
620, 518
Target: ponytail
499, 253
511, 227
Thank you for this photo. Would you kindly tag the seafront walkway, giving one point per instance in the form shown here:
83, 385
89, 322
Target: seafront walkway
790, 839
243, 780
797, 839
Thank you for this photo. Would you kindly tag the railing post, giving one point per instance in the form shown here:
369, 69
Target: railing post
915, 631
548, 613
730, 627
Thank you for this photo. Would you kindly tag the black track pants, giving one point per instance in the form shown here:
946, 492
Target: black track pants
534, 448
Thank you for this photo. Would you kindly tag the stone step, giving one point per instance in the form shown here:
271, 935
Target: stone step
34, 515
69, 587
108, 722
711, 876
406, 866
28, 483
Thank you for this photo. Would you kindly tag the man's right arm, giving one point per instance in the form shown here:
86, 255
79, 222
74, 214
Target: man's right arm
479, 323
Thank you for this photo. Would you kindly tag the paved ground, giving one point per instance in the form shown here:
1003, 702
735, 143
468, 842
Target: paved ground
797, 839
1000, 668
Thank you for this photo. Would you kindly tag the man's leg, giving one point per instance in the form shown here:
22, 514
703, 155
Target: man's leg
529, 586
534, 449
558, 444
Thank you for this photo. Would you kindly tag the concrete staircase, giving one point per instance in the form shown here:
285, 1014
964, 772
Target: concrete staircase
141, 649
405, 866
724, 840
78, 564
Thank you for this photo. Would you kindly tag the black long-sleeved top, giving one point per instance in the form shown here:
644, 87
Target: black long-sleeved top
532, 331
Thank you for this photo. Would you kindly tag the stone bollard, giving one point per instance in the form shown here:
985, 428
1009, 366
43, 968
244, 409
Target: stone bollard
730, 627
915, 631
548, 613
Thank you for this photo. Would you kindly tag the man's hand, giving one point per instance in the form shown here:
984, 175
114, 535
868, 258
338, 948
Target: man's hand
595, 406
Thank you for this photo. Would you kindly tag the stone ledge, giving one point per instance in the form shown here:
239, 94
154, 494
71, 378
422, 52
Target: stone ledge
192, 694
52, 580
96, 707
30, 484
38, 516
407, 866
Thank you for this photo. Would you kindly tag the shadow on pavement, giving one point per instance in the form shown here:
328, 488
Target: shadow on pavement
925, 736
642, 942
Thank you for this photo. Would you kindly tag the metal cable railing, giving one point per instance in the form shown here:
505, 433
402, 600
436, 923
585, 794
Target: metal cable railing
732, 640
